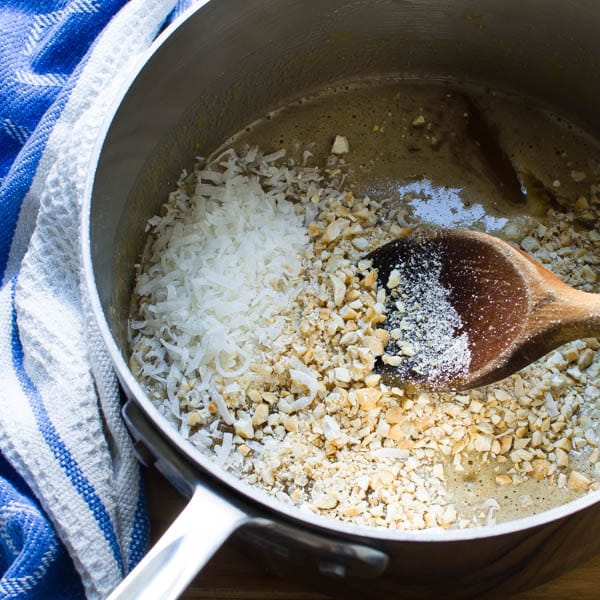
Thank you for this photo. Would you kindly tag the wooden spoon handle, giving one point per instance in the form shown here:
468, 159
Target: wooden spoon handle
563, 314
557, 314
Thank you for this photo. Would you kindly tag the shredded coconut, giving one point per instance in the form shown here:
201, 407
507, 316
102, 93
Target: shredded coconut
222, 265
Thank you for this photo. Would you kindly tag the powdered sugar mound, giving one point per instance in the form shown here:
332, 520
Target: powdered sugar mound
426, 343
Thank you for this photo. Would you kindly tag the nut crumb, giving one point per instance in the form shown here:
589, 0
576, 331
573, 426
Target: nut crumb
340, 145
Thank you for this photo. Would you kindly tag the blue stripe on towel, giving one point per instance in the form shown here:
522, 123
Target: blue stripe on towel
140, 533
54, 38
34, 564
18, 181
57, 446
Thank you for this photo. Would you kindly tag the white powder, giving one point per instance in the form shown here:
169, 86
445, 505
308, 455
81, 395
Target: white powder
426, 337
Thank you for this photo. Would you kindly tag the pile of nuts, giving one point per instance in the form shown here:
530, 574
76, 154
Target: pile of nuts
382, 456
317, 428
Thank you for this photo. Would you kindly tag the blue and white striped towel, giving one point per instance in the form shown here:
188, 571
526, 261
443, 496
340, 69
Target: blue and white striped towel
68, 477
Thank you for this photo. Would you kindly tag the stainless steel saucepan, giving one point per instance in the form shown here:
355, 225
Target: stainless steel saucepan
222, 66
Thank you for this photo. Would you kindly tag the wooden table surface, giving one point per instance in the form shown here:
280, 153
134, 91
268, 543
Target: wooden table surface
232, 576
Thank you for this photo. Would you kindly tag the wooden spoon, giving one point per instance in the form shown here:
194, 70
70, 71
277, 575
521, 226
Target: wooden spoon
513, 309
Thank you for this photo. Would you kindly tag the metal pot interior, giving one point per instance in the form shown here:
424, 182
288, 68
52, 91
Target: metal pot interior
229, 62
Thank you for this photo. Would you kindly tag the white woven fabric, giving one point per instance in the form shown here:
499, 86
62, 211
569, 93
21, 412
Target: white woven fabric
59, 416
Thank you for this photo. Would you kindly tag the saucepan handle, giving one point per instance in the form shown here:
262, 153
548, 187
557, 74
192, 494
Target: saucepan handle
205, 523
189, 543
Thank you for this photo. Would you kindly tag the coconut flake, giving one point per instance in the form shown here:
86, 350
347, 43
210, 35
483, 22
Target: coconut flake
224, 450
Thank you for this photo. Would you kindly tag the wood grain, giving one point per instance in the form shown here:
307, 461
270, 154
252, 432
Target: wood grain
231, 575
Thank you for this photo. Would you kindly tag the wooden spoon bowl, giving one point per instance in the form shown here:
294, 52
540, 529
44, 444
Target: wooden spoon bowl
513, 309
